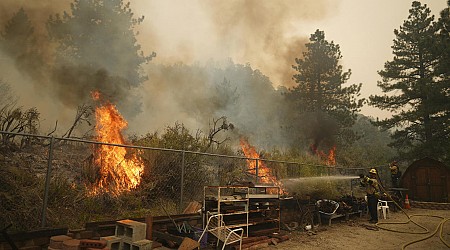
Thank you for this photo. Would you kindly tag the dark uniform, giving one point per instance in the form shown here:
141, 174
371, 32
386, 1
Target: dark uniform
372, 191
395, 174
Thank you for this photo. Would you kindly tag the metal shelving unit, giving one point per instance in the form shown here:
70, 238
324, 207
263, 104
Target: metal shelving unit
230, 201
251, 208
265, 207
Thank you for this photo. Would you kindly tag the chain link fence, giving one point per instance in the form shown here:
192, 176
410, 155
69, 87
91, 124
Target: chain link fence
54, 180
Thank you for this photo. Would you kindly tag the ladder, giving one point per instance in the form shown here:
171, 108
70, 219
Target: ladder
217, 227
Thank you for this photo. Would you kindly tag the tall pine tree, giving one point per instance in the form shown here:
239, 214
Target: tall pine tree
323, 103
19, 42
414, 90
17, 35
443, 71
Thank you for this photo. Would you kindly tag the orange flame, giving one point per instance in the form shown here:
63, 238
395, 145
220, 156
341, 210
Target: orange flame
329, 159
264, 173
119, 171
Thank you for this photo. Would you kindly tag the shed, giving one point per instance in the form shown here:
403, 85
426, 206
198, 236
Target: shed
427, 180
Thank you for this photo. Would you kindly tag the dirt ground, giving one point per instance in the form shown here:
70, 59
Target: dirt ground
357, 233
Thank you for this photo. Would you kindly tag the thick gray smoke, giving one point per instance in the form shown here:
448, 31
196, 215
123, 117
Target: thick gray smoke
192, 80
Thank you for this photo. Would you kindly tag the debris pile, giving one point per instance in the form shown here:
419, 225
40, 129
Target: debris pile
327, 206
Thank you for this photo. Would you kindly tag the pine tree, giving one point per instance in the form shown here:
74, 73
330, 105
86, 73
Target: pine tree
97, 49
320, 96
19, 42
17, 35
443, 72
413, 89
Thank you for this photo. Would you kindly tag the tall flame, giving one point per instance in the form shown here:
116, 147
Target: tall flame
264, 173
119, 170
331, 160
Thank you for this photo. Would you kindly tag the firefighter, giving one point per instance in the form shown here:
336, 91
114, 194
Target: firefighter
395, 174
373, 194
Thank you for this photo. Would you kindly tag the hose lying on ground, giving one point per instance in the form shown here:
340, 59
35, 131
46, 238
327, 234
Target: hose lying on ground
440, 226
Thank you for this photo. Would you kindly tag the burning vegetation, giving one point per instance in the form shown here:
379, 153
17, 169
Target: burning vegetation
257, 167
329, 159
119, 169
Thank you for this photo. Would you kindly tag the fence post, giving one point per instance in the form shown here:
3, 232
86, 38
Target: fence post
180, 208
256, 171
47, 183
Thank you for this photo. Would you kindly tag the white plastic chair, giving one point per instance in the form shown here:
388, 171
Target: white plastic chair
383, 207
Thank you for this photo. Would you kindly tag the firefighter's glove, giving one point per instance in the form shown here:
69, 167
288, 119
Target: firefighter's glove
361, 176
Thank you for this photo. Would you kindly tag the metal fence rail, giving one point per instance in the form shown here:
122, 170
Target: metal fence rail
173, 174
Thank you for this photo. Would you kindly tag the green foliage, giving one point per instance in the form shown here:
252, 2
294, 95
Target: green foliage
15, 119
97, 50
443, 26
416, 89
17, 34
320, 100
163, 169
370, 149
100, 34
18, 41
19, 194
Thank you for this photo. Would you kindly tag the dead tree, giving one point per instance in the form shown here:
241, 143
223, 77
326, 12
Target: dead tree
83, 114
218, 125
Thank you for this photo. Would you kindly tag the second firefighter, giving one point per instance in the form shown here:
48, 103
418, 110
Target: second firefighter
372, 192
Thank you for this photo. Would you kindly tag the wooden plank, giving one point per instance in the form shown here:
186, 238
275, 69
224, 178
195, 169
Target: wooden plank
255, 245
149, 223
192, 207
167, 236
253, 239
264, 232
189, 244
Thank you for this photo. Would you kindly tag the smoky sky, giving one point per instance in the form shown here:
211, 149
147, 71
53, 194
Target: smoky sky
203, 37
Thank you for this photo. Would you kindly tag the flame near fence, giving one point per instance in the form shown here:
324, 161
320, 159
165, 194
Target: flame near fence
167, 174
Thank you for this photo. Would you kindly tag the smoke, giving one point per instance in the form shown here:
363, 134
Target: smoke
258, 32
262, 33
192, 79
38, 11
321, 128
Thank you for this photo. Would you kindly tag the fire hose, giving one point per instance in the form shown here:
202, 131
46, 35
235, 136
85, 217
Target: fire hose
440, 226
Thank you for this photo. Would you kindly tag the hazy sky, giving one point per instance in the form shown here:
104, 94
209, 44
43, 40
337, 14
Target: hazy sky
364, 30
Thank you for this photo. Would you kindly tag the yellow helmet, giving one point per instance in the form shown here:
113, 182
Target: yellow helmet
373, 171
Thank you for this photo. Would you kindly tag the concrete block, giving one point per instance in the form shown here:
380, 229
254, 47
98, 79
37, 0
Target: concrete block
126, 246
142, 245
130, 230
112, 242
72, 244
56, 242
86, 234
